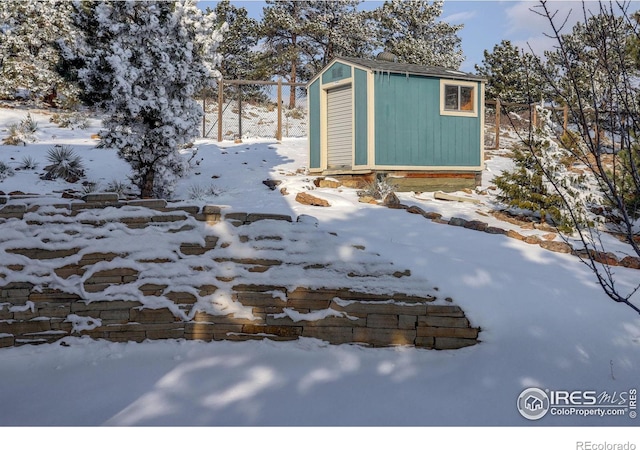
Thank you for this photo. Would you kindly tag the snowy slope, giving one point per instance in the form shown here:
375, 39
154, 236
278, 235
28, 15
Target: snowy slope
544, 321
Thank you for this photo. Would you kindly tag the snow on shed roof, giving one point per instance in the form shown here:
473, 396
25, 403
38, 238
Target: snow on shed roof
411, 69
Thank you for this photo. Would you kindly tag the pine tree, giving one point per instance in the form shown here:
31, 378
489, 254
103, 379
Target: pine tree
541, 181
411, 31
337, 28
237, 50
31, 33
144, 62
510, 74
239, 59
284, 27
596, 84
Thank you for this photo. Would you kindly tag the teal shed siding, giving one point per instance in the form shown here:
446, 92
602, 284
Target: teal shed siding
360, 117
409, 130
336, 72
314, 125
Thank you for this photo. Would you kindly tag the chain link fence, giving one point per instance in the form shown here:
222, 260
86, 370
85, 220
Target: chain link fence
241, 109
503, 118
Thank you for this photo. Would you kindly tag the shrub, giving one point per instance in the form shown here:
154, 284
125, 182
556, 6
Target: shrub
118, 187
199, 192
89, 187
70, 120
65, 164
28, 163
378, 189
5, 170
28, 125
21, 133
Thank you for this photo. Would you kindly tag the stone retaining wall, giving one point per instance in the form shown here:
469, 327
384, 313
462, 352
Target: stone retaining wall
335, 316
44, 313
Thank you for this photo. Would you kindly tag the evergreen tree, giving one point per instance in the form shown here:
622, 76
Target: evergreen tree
541, 181
239, 59
301, 37
31, 32
237, 50
284, 27
337, 28
145, 61
510, 75
410, 29
594, 78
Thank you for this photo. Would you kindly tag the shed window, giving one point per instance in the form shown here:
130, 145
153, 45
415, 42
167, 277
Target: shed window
458, 98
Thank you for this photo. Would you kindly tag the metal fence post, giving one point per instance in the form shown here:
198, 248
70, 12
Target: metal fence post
239, 111
498, 113
204, 115
220, 102
279, 131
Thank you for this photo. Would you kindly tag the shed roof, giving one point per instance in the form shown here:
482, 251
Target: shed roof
410, 69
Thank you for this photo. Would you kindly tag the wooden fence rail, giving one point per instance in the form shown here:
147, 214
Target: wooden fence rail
532, 111
221, 104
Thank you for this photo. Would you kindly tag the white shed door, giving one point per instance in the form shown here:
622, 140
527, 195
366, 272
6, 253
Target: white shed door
339, 127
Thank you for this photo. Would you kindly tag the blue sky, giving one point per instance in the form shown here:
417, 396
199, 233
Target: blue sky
486, 23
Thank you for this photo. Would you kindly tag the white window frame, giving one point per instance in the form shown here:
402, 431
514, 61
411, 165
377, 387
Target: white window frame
459, 112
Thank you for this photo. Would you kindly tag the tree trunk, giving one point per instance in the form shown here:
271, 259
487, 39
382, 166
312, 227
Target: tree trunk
292, 77
146, 183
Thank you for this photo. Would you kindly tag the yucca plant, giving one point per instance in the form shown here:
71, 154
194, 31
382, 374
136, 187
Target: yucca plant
118, 187
89, 187
28, 163
200, 192
65, 164
378, 189
14, 136
21, 133
5, 170
28, 125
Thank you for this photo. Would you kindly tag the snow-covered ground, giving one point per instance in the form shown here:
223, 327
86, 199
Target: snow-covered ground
545, 323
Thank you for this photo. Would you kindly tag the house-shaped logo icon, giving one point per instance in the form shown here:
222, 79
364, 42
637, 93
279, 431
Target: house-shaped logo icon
533, 403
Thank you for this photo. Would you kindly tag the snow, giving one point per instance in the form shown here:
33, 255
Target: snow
545, 322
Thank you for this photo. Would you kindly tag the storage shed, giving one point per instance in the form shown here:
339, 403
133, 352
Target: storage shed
422, 126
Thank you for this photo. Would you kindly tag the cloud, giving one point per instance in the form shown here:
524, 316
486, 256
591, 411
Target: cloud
458, 18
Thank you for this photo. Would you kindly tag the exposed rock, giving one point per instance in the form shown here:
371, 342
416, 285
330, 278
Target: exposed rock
305, 218
608, 259
457, 198
457, 222
495, 230
391, 200
476, 225
308, 199
398, 274
631, 262
515, 235
549, 236
368, 199
272, 184
544, 227
433, 216
329, 183
532, 239
556, 246
416, 210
